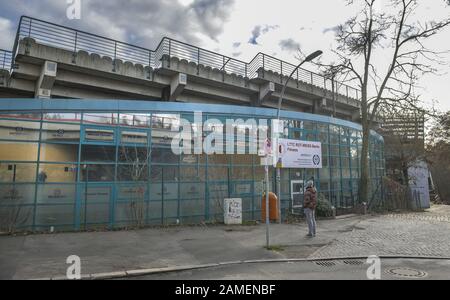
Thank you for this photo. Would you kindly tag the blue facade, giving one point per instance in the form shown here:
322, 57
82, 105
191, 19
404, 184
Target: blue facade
81, 164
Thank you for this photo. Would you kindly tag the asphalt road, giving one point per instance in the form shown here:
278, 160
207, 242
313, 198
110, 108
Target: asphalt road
352, 269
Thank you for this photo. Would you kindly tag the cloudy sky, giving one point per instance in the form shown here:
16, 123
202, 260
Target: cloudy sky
237, 28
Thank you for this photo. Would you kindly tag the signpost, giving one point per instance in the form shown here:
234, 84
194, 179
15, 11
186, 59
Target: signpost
289, 154
267, 153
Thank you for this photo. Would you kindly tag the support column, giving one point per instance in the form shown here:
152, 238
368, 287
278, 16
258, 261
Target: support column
177, 86
46, 80
266, 90
356, 116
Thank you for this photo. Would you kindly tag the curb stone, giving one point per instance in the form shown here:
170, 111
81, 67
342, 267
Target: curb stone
143, 272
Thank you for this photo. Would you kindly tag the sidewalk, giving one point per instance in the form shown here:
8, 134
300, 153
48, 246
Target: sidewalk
44, 256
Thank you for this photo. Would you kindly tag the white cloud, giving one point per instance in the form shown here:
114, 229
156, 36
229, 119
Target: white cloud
289, 45
143, 22
219, 24
7, 33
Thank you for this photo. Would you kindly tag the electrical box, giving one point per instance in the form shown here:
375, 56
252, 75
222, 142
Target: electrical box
233, 211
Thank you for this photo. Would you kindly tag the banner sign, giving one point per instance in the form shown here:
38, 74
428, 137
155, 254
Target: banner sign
295, 154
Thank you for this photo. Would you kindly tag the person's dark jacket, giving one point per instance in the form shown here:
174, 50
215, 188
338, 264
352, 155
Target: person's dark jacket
310, 198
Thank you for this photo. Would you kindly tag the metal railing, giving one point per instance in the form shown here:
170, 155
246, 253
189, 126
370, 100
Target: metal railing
283, 69
66, 38
75, 40
201, 57
5, 60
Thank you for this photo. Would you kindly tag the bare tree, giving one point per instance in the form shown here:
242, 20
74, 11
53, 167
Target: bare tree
136, 158
393, 84
13, 212
438, 154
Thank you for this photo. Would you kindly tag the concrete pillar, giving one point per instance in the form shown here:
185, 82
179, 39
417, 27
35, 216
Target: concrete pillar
46, 80
177, 86
319, 105
266, 90
356, 116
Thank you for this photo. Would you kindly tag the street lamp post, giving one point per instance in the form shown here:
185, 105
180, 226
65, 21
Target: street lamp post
280, 101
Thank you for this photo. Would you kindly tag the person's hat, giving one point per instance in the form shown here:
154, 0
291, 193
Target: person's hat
310, 183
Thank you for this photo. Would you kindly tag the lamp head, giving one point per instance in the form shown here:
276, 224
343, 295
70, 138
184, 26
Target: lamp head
313, 55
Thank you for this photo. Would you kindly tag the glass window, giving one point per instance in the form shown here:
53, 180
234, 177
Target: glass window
218, 173
60, 173
192, 190
334, 139
309, 125
297, 174
133, 154
296, 135
335, 185
135, 172
242, 173
310, 136
167, 122
60, 133
189, 159
334, 129
243, 159
192, 174
334, 150
336, 173
16, 172
99, 135
97, 173
131, 191
323, 127
323, 137
345, 172
334, 161
100, 118
345, 162
18, 151
134, 137
170, 193
325, 161
285, 174
164, 156
325, 173
135, 120
324, 185
24, 116
219, 159
96, 153
56, 193
63, 117
19, 130
260, 173
166, 173
58, 153
345, 150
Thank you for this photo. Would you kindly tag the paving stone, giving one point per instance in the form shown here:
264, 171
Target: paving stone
413, 234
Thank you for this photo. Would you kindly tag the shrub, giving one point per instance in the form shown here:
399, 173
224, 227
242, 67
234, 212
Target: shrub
324, 207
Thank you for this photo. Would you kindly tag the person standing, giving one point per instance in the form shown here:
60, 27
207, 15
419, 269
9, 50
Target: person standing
310, 205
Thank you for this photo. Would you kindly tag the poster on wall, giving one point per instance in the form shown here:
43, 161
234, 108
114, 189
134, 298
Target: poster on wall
295, 154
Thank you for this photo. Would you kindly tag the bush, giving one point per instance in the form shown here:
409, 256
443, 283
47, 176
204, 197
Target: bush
324, 207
